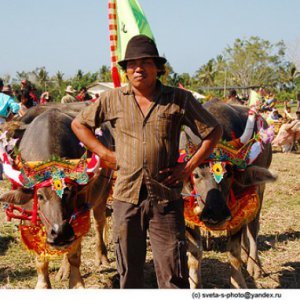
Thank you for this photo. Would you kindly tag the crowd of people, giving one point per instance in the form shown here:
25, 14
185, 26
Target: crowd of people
17, 101
268, 105
283, 117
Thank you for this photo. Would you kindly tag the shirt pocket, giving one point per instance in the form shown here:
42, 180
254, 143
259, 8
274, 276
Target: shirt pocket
168, 124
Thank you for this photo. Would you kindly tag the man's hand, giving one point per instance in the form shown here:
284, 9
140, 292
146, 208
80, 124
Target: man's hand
180, 173
108, 160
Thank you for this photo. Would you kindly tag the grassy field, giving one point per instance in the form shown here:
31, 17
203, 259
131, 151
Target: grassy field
279, 244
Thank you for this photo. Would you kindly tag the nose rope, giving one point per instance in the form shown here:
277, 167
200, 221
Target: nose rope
45, 218
193, 194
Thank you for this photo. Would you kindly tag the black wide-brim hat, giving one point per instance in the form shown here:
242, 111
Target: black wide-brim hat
141, 46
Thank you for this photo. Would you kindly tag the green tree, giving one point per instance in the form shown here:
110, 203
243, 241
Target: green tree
21, 76
254, 62
206, 74
289, 76
59, 77
42, 77
105, 74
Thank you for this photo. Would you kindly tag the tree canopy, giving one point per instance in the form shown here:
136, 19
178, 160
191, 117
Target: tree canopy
247, 62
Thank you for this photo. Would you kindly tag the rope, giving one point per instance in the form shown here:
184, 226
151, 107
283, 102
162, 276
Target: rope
259, 266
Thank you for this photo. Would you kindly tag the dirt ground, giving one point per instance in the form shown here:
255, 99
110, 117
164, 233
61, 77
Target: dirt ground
278, 243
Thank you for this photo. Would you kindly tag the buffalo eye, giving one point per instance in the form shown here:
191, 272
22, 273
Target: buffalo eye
67, 193
67, 189
229, 171
196, 175
40, 197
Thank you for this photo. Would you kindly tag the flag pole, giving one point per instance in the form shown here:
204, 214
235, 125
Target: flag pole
113, 37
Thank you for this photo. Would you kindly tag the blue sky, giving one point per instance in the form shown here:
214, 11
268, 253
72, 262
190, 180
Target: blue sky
67, 35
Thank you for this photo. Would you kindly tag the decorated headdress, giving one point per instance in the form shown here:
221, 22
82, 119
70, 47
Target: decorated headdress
56, 170
240, 152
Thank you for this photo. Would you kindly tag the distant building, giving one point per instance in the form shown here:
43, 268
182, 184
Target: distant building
100, 87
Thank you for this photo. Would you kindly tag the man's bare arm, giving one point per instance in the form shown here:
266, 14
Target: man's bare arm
182, 171
88, 138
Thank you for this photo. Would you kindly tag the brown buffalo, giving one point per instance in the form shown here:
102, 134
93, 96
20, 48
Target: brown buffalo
288, 136
213, 208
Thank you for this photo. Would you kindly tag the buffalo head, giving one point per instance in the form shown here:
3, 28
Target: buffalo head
213, 197
54, 212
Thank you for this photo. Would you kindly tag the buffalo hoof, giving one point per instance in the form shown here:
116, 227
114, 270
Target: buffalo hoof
43, 285
102, 261
254, 270
78, 285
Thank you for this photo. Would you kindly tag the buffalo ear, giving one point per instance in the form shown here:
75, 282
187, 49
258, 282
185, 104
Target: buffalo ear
18, 196
254, 175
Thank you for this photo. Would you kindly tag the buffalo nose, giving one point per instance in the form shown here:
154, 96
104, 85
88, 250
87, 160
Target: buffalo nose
216, 211
60, 234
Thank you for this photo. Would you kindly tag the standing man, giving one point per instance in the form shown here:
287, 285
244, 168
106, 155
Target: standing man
69, 97
146, 119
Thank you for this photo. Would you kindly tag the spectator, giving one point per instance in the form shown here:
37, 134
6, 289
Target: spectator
97, 96
270, 102
45, 98
298, 101
82, 94
274, 116
287, 116
26, 102
233, 97
7, 90
26, 85
8, 106
68, 98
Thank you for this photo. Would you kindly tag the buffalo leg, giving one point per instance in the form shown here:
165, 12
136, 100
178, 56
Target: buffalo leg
99, 213
64, 270
253, 262
43, 273
74, 258
234, 247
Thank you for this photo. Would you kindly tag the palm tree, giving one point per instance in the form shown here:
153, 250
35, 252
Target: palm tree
105, 74
207, 73
41, 77
289, 76
59, 78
